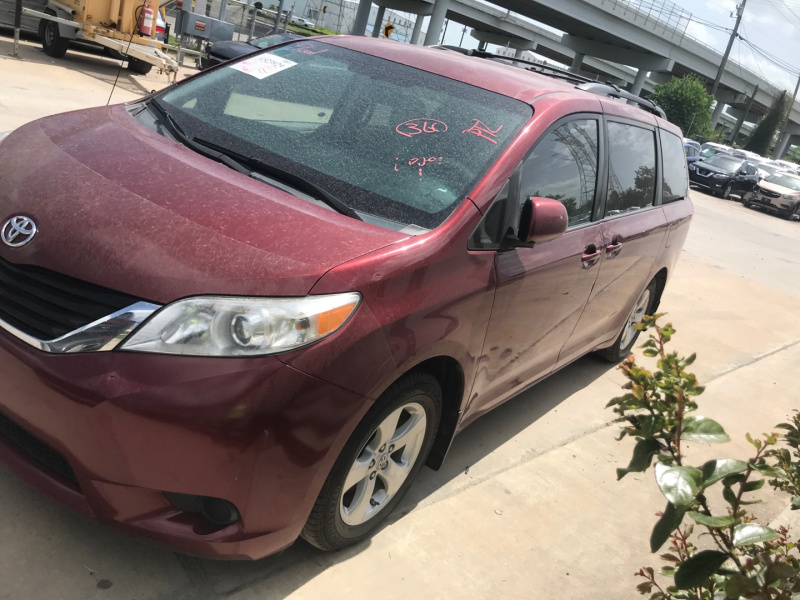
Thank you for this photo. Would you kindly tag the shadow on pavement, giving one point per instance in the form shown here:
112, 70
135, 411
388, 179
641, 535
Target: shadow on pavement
81, 58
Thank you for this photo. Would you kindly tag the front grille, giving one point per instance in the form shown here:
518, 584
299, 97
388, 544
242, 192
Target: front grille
769, 194
36, 449
47, 305
703, 173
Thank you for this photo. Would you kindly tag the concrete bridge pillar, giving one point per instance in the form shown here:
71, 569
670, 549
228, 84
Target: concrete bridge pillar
518, 53
577, 61
417, 29
723, 98
638, 82
436, 23
717, 113
362, 17
789, 137
377, 27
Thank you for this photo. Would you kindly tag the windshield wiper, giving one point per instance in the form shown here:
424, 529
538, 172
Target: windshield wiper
264, 170
180, 135
239, 163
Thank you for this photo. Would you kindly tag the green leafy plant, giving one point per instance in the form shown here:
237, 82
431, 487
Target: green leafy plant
687, 104
740, 558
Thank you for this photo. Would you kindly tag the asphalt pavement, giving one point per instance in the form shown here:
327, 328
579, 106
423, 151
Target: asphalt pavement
527, 504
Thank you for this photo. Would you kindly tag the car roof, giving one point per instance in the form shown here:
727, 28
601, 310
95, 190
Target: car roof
491, 75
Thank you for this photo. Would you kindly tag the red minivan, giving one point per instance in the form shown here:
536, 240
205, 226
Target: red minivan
251, 306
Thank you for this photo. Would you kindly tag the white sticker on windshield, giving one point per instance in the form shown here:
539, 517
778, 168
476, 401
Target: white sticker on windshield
263, 65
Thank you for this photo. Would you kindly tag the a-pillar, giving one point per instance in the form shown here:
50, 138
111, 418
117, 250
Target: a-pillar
436, 23
362, 17
376, 28
577, 61
638, 81
417, 29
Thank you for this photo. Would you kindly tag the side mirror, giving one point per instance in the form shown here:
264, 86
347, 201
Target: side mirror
542, 220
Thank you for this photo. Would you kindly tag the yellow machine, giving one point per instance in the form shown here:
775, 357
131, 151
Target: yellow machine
121, 25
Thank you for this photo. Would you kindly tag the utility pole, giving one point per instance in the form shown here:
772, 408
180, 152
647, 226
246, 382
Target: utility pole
734, 33
788, 113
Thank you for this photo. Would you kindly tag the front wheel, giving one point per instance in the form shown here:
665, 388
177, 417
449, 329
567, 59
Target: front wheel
378, 464
726, 193
795, 212
627, 337
54, 45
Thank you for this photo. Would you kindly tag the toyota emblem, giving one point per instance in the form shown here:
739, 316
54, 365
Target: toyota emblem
18, 231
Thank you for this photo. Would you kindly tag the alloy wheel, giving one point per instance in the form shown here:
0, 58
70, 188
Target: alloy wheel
634, 318
383, 464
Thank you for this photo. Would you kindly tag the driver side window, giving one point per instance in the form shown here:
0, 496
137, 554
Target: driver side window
563, 167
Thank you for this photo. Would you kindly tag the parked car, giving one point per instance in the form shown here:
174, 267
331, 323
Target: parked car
716, 146
767, 168
302, 22
790, 166
253, 305
778, 193
724, 175
692, 150
217, 52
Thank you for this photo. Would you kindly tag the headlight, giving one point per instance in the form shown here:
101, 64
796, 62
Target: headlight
232, 326
720, 176
790, 196
691, 167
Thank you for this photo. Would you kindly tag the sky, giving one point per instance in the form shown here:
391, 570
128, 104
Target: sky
771, 25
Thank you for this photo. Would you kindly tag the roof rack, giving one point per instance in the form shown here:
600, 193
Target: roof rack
524, 64
612, 91
585, 83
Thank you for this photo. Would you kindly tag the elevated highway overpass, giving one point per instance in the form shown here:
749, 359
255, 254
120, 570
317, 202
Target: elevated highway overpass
646, 35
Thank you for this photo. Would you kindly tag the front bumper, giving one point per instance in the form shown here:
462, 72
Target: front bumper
778, 205
709, 183
255, 432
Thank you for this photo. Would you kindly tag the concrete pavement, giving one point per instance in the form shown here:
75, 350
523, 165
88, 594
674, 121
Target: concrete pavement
526, 505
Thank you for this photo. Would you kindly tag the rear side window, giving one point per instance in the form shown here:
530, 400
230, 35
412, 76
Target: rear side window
675, 182
632, 168
563, 166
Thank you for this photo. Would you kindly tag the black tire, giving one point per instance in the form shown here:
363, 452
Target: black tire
54, 45
621, 347
795, 212
139, 66
726, 193
326, 528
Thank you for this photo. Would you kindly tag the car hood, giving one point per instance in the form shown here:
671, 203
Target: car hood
231, 49
120, 206
778, 189
714, 169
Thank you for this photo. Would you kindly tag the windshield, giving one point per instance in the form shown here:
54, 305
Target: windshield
728, 163
386, 139
768, 168
785, 180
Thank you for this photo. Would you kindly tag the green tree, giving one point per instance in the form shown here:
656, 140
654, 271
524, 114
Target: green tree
761, 138
687, 104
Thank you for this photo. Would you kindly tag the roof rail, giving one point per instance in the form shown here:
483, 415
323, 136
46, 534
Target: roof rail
612, 91
524, 64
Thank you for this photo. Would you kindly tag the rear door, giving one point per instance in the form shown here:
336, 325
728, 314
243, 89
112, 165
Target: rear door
633, 230
541, 291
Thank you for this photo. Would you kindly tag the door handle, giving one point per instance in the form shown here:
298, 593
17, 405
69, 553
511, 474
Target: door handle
613, 249
590, 257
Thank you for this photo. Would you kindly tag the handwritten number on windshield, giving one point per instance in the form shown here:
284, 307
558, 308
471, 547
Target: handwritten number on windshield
414, 127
